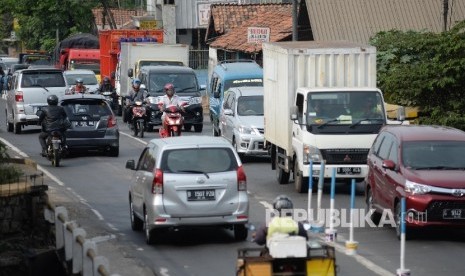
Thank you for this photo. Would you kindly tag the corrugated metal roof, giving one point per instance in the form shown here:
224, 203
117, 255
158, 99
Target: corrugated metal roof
358, 20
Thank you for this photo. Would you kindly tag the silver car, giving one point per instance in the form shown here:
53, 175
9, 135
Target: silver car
188, 181
27, 92
242, 121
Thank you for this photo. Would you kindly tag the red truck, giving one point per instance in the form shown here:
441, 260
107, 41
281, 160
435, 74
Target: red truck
110, 46
80, 51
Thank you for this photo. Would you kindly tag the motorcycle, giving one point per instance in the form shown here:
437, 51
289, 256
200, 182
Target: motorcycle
111, 99
173, 122
139, 118
54, 147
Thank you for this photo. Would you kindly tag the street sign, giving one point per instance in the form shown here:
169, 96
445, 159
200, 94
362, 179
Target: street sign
258, 34
203, 14
148, 24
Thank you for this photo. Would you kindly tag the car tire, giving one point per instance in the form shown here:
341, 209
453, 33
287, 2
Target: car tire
300, 182
149, 237
281, 175
136, 223
375, 216
187, 127
9, 126
124, 115
16, 128
240, 232
198, 128
113, 152
215, 133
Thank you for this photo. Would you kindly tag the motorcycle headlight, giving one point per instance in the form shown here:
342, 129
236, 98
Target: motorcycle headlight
195, 100
311, 153
245, 130
154, 100
416, 189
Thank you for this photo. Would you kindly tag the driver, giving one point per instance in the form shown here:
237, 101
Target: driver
51, 118
79, 87
169, 99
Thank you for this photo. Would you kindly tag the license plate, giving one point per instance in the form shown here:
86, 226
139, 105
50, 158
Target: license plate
85, 123
199, 195
453, 214
349, 170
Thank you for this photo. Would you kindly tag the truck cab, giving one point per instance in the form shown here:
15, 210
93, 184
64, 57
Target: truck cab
228, 74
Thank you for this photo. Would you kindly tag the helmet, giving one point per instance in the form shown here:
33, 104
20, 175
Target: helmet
106, 80
169, 89
282, 202
52, 100
79, 80
136, 83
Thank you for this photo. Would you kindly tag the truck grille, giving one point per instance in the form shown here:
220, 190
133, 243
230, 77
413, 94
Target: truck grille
345, 156
435, 209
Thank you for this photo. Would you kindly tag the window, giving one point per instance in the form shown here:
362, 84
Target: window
201, 160
300, 106
377, 143
385, 147
394, 155
141, 162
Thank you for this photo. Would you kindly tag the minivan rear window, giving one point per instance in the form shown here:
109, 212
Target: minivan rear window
86, 107
42, 79
199, 160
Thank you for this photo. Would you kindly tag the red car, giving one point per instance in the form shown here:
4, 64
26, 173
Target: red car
424, 164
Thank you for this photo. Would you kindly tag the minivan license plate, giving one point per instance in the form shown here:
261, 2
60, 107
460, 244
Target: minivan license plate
453, 214
346, 170
198, 195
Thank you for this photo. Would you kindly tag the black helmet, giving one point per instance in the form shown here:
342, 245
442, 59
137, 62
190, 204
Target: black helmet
106, 80
52, 100
79, 80
282, 202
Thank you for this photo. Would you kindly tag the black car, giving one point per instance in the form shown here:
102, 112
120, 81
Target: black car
93, 124
186, 86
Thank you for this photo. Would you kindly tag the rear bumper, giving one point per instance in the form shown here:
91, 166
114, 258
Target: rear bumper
94, 143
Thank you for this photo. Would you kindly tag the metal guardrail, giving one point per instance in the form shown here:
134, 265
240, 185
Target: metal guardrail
71, 239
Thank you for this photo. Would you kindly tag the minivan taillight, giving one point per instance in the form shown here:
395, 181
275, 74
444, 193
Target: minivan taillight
19, 96
111, 121
241, 179
157, 184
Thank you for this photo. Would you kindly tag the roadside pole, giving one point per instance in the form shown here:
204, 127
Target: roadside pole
317, 227
351, 245
331, 233
402, 271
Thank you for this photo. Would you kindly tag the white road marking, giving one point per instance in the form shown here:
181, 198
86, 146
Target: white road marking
266, 204
135, 138
100, 217
164, 271
103, 238
112, 227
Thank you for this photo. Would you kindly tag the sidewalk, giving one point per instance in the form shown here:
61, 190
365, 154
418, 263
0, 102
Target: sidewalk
112, 247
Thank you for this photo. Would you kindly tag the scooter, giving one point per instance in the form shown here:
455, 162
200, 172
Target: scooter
111, 98
139, 118
54, 147
173, 122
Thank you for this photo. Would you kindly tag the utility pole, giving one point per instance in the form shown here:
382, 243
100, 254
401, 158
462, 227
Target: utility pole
294, 20
445, 5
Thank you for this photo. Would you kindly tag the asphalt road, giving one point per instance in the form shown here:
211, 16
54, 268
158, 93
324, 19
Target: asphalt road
101, 183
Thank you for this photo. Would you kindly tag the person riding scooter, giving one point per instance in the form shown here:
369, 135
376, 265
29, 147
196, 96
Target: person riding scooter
283, 223
134, 95
107, 89
79, 87
169, 99
52, 117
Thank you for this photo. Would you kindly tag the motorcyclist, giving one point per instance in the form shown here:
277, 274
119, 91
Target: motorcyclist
51, 117
283, 223
134, 95
169, 99
105, 86
79, 87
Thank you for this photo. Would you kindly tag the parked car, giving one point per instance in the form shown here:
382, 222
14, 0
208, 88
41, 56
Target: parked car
241, 120
424, 164
88, 76
27, 92
228, 74
188, 181
184, 79
93, 124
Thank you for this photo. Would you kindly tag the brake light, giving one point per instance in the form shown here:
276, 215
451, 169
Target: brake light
241, 179
19, 96
111, 121
157, 184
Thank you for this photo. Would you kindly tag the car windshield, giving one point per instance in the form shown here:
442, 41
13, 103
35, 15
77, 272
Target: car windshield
88, 79
250, 106
93, 108
199, 160
42, 79
243, 82
434, 154
183, 82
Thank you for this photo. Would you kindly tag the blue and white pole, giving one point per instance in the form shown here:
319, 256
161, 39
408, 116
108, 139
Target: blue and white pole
402, 271
310, 189
319, 224
351, 245
331, 233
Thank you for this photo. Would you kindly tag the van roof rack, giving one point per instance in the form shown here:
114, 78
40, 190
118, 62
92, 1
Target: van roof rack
223, 62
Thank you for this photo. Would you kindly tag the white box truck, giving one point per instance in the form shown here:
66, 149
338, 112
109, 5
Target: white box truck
134, 55
320, 103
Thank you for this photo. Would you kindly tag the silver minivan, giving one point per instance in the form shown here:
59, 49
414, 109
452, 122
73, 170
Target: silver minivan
28, 90
242, 122
188, 181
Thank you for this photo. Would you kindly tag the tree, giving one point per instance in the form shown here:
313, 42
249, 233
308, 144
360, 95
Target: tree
424, 69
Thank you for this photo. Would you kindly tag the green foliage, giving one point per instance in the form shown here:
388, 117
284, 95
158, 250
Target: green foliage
8, 173
426, 70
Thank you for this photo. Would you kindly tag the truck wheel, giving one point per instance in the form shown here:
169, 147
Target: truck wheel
300, 182
187, 127
281, 175
198, 128
17, 128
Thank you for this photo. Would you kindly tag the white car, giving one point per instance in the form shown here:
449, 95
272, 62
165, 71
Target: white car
242, 121
88, 76
188, 181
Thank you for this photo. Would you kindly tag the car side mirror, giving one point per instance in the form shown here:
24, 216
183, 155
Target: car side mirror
294, 111
216, 94
389, 164
228, 112
131, 164
130, 72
